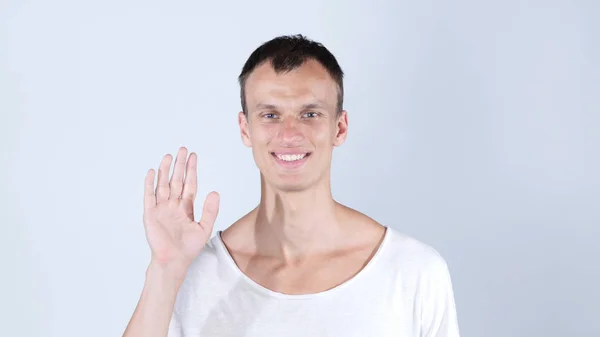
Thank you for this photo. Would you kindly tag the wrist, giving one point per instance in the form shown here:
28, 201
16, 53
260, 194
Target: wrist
166, 273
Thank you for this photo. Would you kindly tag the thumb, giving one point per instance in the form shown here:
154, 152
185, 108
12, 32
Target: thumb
210, 210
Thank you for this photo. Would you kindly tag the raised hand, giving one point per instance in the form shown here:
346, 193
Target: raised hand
174, 236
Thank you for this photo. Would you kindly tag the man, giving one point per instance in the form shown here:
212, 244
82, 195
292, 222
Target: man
300, 263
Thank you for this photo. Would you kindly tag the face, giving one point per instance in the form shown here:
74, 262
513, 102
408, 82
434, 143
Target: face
292, 125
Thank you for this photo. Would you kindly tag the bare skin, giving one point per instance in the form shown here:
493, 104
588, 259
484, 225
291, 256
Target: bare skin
173, 234
298, 239
175, 239
314, 272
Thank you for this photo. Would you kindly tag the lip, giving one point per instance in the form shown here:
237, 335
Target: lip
290, 164
297, 151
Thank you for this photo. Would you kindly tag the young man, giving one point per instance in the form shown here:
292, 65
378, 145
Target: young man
300, 263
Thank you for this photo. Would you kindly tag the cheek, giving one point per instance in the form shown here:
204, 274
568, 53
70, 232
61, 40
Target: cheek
323, 134
261, 136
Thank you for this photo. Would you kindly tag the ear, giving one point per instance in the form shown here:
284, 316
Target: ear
341, 129
244, 129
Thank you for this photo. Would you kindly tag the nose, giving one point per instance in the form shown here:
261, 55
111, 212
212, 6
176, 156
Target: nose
290, 131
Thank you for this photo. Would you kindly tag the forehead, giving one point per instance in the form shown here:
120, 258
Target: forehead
308, 82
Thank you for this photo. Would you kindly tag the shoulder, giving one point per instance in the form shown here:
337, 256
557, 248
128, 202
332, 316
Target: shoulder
424, 274
206, 264
209, 257
411, 256
208, 275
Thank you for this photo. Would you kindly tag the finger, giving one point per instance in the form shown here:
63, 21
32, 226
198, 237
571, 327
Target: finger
190, 186
176, 183
149, 197
162, 185
210, 210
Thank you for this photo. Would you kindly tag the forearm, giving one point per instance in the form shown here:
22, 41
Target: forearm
153, 313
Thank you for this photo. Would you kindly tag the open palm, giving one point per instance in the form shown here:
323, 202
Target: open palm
173, 234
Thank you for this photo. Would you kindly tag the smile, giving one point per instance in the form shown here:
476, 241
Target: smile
290, 160
290, 157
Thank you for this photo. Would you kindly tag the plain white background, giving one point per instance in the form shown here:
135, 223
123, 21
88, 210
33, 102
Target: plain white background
473, 127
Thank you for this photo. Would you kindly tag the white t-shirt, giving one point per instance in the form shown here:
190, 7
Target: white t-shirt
404, 291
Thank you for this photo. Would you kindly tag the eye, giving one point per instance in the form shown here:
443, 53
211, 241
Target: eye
269, 115
312, 114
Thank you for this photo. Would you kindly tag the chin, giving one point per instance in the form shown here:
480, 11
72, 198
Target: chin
290, 185
298, 187
285, 179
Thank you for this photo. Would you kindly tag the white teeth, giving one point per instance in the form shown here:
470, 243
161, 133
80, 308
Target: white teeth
291, 157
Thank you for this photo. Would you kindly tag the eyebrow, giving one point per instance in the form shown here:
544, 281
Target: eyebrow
265, 106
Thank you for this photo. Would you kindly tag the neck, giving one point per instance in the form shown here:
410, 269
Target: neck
293, 225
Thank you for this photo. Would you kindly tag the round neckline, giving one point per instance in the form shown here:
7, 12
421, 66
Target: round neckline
264, 290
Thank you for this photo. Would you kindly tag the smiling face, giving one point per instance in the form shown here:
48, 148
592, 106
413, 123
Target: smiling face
292, 124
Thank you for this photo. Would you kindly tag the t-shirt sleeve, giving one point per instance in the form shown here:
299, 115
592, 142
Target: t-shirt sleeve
174, 327
438, 309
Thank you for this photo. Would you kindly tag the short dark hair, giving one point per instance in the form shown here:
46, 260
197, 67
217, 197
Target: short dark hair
288, 52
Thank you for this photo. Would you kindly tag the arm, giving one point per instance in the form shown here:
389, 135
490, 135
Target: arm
175, 240
153, 313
